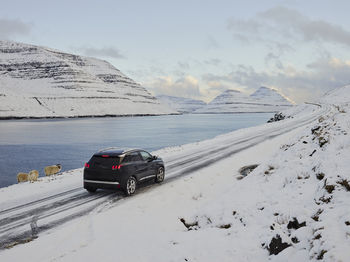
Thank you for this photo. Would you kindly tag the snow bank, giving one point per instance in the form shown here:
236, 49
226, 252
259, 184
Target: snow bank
293, 207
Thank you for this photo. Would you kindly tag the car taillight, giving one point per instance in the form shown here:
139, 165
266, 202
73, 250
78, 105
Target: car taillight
87, 165
116, 167
105, 155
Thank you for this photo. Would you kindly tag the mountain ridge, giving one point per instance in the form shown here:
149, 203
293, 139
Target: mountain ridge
263, 100
38, 82
181, 104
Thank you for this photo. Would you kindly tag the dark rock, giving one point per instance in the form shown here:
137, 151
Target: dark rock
320, 176
322, 141
320, 256
313, 152
244, 171
315, 129
295, 224
317, 215
225, 226
276, 117
189, 226
318, 236
329, 188
276, 245
295, 240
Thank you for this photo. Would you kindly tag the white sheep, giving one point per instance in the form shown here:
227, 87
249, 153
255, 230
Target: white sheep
22, 177
33, 175
51, 170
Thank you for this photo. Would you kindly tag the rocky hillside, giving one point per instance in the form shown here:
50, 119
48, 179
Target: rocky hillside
41, 82
181, 104
234, 101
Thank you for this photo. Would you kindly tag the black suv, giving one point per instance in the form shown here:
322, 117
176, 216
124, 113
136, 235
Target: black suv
114, 168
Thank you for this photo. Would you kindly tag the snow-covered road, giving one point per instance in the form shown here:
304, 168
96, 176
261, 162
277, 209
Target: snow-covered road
27, 210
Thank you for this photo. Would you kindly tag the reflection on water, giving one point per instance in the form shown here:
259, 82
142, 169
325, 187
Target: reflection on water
33, 144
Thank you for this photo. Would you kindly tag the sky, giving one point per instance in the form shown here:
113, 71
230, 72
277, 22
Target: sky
198, 49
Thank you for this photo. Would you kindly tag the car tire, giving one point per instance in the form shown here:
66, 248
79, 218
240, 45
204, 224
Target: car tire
91, 189
130, 186
160, 175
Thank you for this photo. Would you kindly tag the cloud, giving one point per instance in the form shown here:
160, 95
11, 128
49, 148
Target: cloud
184, 65
309, 30
13, 27
288, 35
288, 24
300, 85
213, 61
212, 43
183, 87
111, 52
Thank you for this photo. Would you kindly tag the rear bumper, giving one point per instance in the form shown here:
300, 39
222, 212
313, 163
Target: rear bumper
101, 184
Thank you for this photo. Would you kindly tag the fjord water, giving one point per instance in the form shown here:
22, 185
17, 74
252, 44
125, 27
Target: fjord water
34, 144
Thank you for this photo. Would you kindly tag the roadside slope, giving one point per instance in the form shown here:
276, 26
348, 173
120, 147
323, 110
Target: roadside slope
209, 214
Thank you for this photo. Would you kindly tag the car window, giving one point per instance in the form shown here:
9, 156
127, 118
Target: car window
132, 157
145, 155
98, 161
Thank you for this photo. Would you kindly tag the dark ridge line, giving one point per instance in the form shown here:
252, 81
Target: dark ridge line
83, 116
213, 113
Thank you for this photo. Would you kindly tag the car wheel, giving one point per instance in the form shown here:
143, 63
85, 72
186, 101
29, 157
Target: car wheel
91, 189
160, 175
130, 186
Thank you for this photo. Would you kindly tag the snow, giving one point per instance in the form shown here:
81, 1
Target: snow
233, 101
233, 218
181, 104
41, 82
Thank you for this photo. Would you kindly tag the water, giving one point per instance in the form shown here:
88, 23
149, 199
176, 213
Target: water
34, 144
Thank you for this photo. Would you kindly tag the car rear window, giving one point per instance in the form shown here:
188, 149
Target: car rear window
132, 157
104, 162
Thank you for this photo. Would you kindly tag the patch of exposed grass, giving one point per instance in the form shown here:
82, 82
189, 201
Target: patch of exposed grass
329, 188
317, 215
344, 183
321, 254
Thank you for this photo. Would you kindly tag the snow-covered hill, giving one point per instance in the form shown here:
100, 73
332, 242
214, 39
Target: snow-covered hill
234, 101
41, 82
181, 104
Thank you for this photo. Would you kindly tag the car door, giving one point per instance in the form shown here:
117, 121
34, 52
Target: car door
148, 160
133, 164
140, 164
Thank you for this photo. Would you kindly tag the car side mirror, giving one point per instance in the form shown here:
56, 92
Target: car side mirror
154, 157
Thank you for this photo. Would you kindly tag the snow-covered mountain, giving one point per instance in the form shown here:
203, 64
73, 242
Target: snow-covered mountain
272, 96
41, 82
234, 101
181, 104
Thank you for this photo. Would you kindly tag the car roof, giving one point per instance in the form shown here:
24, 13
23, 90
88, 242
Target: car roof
115, 151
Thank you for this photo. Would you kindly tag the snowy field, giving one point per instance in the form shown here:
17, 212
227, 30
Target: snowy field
293, 207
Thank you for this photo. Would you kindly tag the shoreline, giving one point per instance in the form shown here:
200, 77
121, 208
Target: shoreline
127, 115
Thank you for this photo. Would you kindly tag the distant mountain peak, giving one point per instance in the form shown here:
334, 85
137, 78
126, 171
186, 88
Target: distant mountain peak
271, 94
42, 82
233, 101
181, 104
